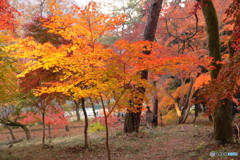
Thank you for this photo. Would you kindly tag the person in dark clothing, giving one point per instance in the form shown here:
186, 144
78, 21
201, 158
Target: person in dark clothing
234, 109
149, 117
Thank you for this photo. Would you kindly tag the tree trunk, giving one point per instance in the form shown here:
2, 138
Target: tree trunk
11, 132
107, 132
67, 128
149, 35
223, 122
44, 126
77, 107
86, 123
155, 107
132, 122
129, 123
14, 123
188, 104
222, 114
182, 97
93, 107
26, 130
49, 132
213, 35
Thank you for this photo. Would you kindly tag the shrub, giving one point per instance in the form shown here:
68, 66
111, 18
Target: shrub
96, 127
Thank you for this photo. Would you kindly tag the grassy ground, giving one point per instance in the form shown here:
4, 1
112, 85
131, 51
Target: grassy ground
173, 142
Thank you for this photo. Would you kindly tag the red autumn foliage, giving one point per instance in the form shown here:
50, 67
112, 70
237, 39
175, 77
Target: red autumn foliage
54, 116
40, 33
7, 19
111, 120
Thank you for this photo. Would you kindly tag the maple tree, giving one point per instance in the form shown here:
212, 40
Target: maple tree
54, 117
37, 8
7, 17
12, 100
133, 119
84, 48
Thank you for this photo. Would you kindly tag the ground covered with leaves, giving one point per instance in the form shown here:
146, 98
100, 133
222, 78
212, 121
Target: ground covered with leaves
177, 142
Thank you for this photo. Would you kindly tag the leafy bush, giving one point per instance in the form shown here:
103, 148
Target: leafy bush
170, 117
111, 120
96, 127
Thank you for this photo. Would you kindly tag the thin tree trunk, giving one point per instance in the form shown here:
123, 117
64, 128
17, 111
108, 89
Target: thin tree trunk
26, 130
93, 107
188, 102
49, 132
86, 123
11, 132
155, 106
44, 126
67, 128
77, 108
181, 101
106, 125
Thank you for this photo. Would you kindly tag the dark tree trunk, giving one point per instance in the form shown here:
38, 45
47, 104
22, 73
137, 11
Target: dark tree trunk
132, 119
132, 122
129, 123
210, 117
86, 123
223, 122
155, 107
67, 128
213, 34
11, 132
26, 130
14, 123
222, 114
44, 126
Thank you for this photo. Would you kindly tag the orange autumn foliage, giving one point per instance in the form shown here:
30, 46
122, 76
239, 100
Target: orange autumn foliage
201, 80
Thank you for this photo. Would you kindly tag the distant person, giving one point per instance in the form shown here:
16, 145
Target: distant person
149, 118
234, 109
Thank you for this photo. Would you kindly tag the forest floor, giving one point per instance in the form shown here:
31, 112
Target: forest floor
170, 142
